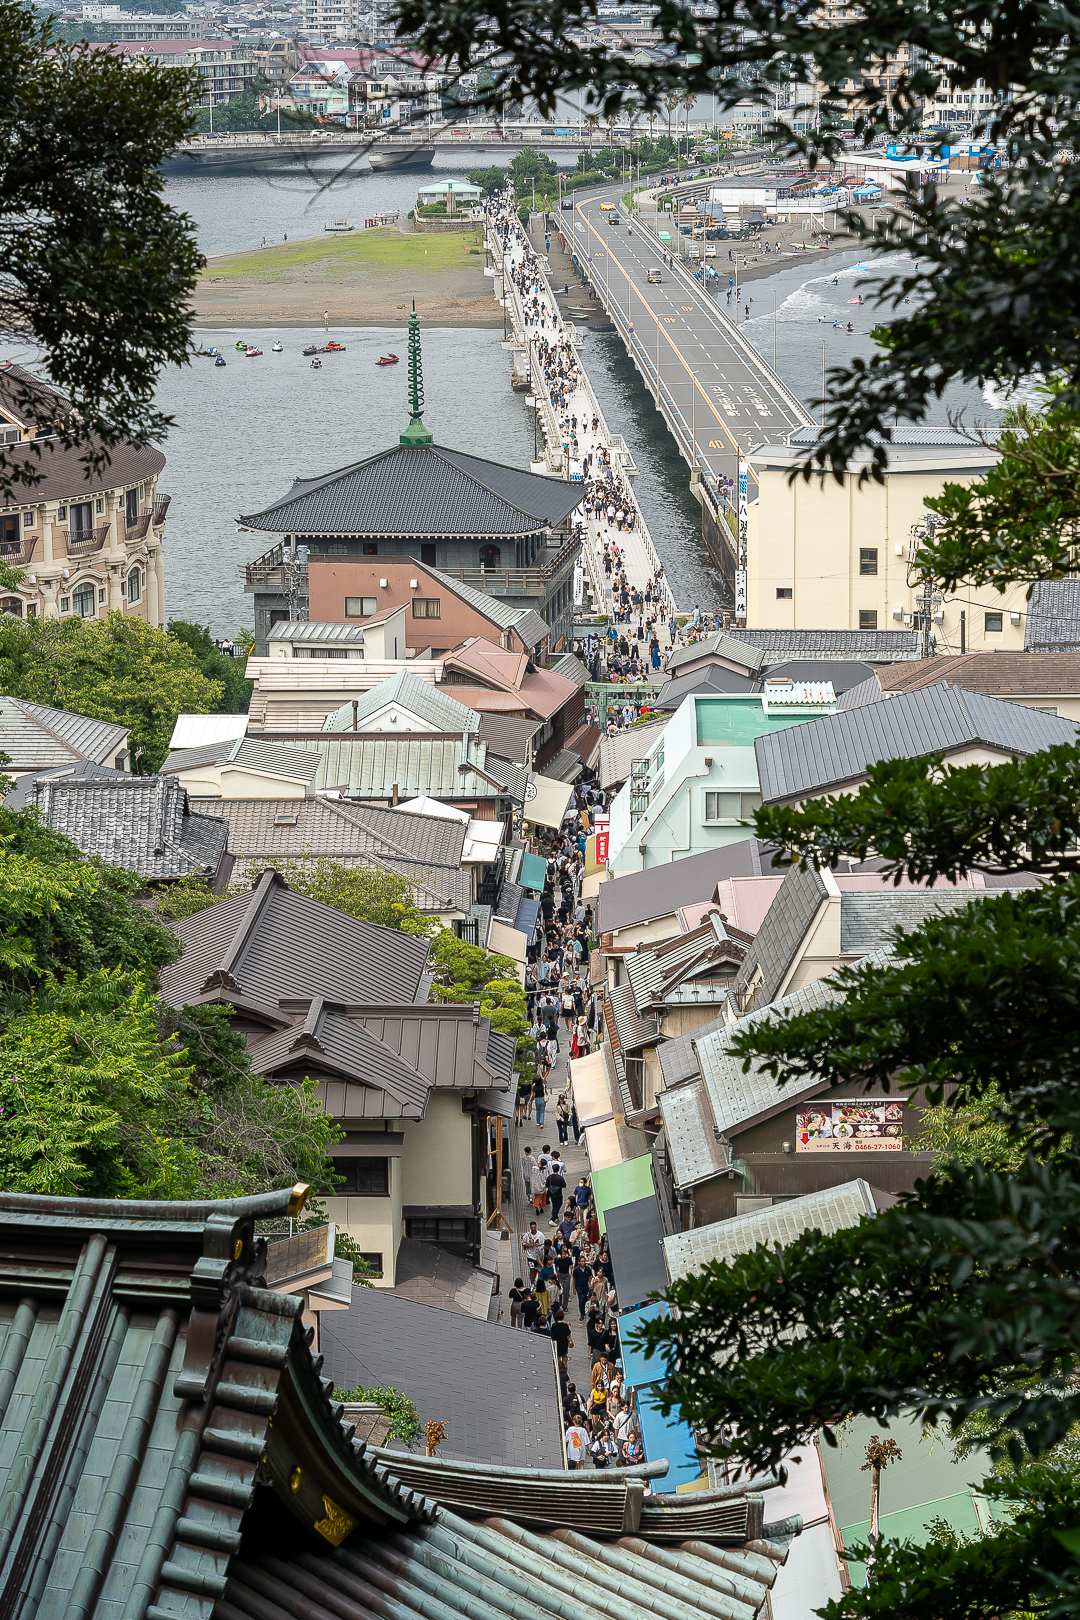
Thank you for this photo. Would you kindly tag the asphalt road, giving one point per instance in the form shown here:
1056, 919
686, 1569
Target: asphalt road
718, 395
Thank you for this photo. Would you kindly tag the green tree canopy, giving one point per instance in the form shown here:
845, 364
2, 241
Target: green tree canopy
119, 668
98, 269
218, 667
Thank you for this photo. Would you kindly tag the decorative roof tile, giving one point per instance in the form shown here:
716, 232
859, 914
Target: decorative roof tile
139, 822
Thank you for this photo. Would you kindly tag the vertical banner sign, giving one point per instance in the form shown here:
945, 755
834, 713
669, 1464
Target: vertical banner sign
601, 848
740, 572
579, 584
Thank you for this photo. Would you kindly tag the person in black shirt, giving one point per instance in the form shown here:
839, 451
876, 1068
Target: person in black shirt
556, 1187
559, 1331
530, 1311
517, 1297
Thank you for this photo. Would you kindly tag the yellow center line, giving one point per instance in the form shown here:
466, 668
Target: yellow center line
674, 350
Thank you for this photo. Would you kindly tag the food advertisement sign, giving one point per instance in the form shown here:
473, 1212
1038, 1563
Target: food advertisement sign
862, 1125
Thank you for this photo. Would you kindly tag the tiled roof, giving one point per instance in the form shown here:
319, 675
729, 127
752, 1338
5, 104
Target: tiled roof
570, 667
794, 907
737, 1099
270, 944
307, 632
875, 645
82, 770
830, 1210
869, 919
436, 708
657, 973
1052, 623
719, 645
531, 627
410, 491
693, 1150
995, 674
836, 748
138, 822
370, 767
678, 1057
633, 1031
864, 692
508, 736
61, 474
35, 737
30, 401
564, 767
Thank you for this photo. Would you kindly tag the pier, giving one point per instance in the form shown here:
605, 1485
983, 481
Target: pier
641, 559
717, 394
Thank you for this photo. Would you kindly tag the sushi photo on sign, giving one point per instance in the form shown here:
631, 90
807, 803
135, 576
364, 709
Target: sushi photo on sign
861, 1125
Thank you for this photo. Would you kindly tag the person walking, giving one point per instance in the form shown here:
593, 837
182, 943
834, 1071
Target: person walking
580, 1280
517, 1299
577, 1444
532, 1247
539, 1097
564, 1262
559, 1334
326, 320
562, 1117
556, 1191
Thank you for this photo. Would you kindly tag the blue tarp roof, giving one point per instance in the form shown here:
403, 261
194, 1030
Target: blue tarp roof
668, 1437
636, 1369
527, 913
533, 874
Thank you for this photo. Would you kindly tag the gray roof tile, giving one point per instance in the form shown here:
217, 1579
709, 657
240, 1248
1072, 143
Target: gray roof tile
659, 890
1053, 616
876, 645
410, 491
737, 648
693, 1151
35, 737
678, 1057
827, 752
869, 919
784, 927
139, 822
830, 1210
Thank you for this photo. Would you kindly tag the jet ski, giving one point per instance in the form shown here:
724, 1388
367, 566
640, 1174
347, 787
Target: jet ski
252, 354
387, 360
275, 348
242, 344
219, 360
312, 348
333, 348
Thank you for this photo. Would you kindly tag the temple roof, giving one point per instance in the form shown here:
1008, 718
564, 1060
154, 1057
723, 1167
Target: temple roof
419, 490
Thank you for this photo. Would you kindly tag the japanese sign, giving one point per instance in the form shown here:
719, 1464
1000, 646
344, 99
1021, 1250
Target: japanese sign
863, 1125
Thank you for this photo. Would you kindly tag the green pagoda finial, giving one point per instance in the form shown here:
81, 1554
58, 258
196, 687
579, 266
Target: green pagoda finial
416, 433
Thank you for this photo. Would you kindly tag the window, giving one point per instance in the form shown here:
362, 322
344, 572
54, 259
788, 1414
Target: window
731, 806
61, 514
131, 507
134, 585
993, 623
373, 1262
427, 552
82, 519
360, 607
99, 506
369, 1178
65, 604
437, 1228
868, 618
371, 548
83, 600
337, 548
783, 593
29, 519
428, 607
868, 559
101, 594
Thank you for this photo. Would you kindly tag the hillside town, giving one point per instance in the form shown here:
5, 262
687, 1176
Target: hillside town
538, 1071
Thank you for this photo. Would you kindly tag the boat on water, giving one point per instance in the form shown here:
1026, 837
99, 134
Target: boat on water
242, 344
219, 360
387, 360
332, 348
339, 225
383, 155
275, 348
316, 364
312, 348
253, 354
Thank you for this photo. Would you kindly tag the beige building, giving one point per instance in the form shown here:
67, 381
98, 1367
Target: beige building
837, 556
87, 543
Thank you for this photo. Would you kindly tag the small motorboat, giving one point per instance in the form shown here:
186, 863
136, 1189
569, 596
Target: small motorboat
253, 354
333, 348
312, 348
316, 364
387, 360
211, 351
242, 344
275, 348
219, 360
338, 225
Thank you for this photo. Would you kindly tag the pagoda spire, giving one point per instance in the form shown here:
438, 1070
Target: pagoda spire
416, 433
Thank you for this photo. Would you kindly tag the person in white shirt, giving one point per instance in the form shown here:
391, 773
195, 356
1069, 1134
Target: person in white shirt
532, 1246
577, 1443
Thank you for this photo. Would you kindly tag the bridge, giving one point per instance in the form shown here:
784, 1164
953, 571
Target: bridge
717, 394
240, 150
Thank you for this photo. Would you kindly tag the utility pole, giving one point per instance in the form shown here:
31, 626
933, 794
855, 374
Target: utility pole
879, 1454
927, 600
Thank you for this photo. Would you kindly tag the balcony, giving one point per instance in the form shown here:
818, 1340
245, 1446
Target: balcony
268, 572
137, 530
160, 510
18, 552
84, 542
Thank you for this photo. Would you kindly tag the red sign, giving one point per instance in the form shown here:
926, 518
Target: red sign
601, 847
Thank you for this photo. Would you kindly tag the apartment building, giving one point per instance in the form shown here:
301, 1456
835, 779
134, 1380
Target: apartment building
227, 67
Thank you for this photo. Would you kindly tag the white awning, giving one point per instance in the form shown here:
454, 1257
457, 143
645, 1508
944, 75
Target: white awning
546, 800
602, 1142
591, 1095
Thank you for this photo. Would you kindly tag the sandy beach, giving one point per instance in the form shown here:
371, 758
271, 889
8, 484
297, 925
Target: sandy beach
364, 278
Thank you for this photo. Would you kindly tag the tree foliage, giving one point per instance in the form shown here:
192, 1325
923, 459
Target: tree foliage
118, 668
98, 269
226, 672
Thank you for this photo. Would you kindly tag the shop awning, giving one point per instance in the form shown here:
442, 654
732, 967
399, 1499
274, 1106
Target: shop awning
533, 874
622, 1183
525, 921
591, 1093
636, 1241
668, 1437
546, 800
602, 1142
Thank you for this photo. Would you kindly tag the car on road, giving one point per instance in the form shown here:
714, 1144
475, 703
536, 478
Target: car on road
605, 208
653, 275
567, 202
614, 220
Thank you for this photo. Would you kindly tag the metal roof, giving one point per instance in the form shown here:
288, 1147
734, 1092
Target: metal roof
35, 737
876, 645
197, 730
271, 943
616, 753
719, 645
329, 1045
677, 1057
371, 766
639, 897
141, 823
509, 736
633, 1031
570, 667
413, 491
435, 708
694, 1153
819, 754
306, 631
794, 906
830, 1210
869, 918
711, 680
737, 1099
